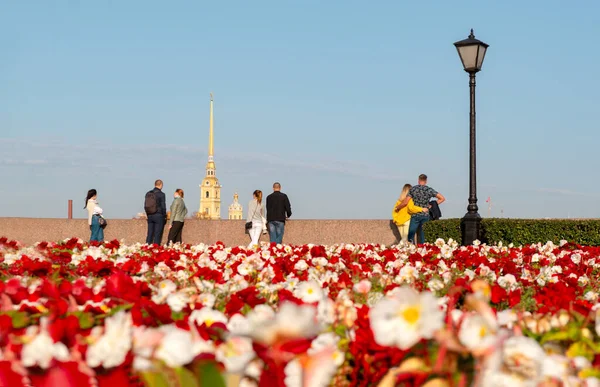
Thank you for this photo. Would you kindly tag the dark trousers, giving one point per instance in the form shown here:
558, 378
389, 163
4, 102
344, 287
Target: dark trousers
156, 226
175, 232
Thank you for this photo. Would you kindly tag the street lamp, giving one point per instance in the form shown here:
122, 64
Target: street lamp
471, 52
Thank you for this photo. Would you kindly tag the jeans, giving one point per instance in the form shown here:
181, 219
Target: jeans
276, 229
175, 232
97, 231
156, 226
417, 222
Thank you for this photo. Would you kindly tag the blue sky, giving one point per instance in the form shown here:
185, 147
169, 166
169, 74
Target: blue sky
341, 101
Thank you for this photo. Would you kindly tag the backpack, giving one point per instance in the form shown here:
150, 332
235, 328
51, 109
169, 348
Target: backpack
150, 205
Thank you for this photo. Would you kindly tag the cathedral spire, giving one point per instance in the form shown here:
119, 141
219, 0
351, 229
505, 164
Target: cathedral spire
210, 189
211, 133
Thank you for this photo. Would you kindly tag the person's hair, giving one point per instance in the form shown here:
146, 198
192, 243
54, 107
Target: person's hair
276, 185
158, 183
180, 192
258, 195
405, 190
91, 193
422, 177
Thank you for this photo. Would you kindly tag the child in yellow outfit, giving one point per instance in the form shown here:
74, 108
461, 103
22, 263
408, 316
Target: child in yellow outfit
401, 216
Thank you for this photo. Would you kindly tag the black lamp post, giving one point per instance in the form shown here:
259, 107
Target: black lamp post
471, 52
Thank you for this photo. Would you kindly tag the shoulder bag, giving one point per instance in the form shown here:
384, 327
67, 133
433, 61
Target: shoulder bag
102, 222
248, 225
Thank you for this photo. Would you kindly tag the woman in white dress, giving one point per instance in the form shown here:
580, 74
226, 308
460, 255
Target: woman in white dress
257, 217
94, 213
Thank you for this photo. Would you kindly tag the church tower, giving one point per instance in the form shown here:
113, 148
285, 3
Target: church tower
210, 189
236, 211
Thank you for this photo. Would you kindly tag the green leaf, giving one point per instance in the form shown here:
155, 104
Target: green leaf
580, 349
154, 379
208, 374
593, 345
555, 336
574, 332
19, 319
119, 308
186, 377
589, 373
86, 319
177, 316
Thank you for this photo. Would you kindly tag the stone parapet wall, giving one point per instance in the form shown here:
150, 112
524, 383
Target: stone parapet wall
230, 232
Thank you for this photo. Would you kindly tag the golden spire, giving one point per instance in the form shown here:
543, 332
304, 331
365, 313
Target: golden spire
211, 135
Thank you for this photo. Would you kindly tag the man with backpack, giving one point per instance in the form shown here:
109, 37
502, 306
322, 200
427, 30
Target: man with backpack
155, 205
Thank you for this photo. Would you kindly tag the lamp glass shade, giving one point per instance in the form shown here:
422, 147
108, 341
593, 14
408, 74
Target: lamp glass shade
472, 52
468, 56
481, 56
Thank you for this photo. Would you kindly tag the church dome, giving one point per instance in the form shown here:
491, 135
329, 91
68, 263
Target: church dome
236, 211
235, 206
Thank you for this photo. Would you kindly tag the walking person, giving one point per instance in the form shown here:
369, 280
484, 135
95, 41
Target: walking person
278, 211
178, 213
421, 194
155, 206
94, 214
256, 217
402, 214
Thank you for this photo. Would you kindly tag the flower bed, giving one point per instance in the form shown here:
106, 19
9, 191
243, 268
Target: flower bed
74, 314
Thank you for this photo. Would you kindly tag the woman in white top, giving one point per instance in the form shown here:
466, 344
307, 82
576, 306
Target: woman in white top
256, 216
94, 212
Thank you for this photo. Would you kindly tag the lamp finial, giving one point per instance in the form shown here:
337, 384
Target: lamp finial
471, 35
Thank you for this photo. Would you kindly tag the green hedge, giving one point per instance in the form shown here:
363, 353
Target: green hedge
521, 231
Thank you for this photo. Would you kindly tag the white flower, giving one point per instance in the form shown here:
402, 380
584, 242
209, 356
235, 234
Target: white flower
238, 325
207, 300
507, 282
290, 322
309, 292
178, 347
327, 341
301, 265
407, 275
207, 316
326, 311
406, 317
556, 366
523, 356
245, 268
315, 370
112, 347
42, 349
235, 353
597, 309
470, 273
177, 301
475, 333
592, 382
435, 285
507, 318
363, 287
145, 341
259, 315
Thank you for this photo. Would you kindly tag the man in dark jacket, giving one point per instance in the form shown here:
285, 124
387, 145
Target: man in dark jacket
278, 210
155, 205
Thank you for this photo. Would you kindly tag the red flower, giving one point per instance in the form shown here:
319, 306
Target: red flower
120, 285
